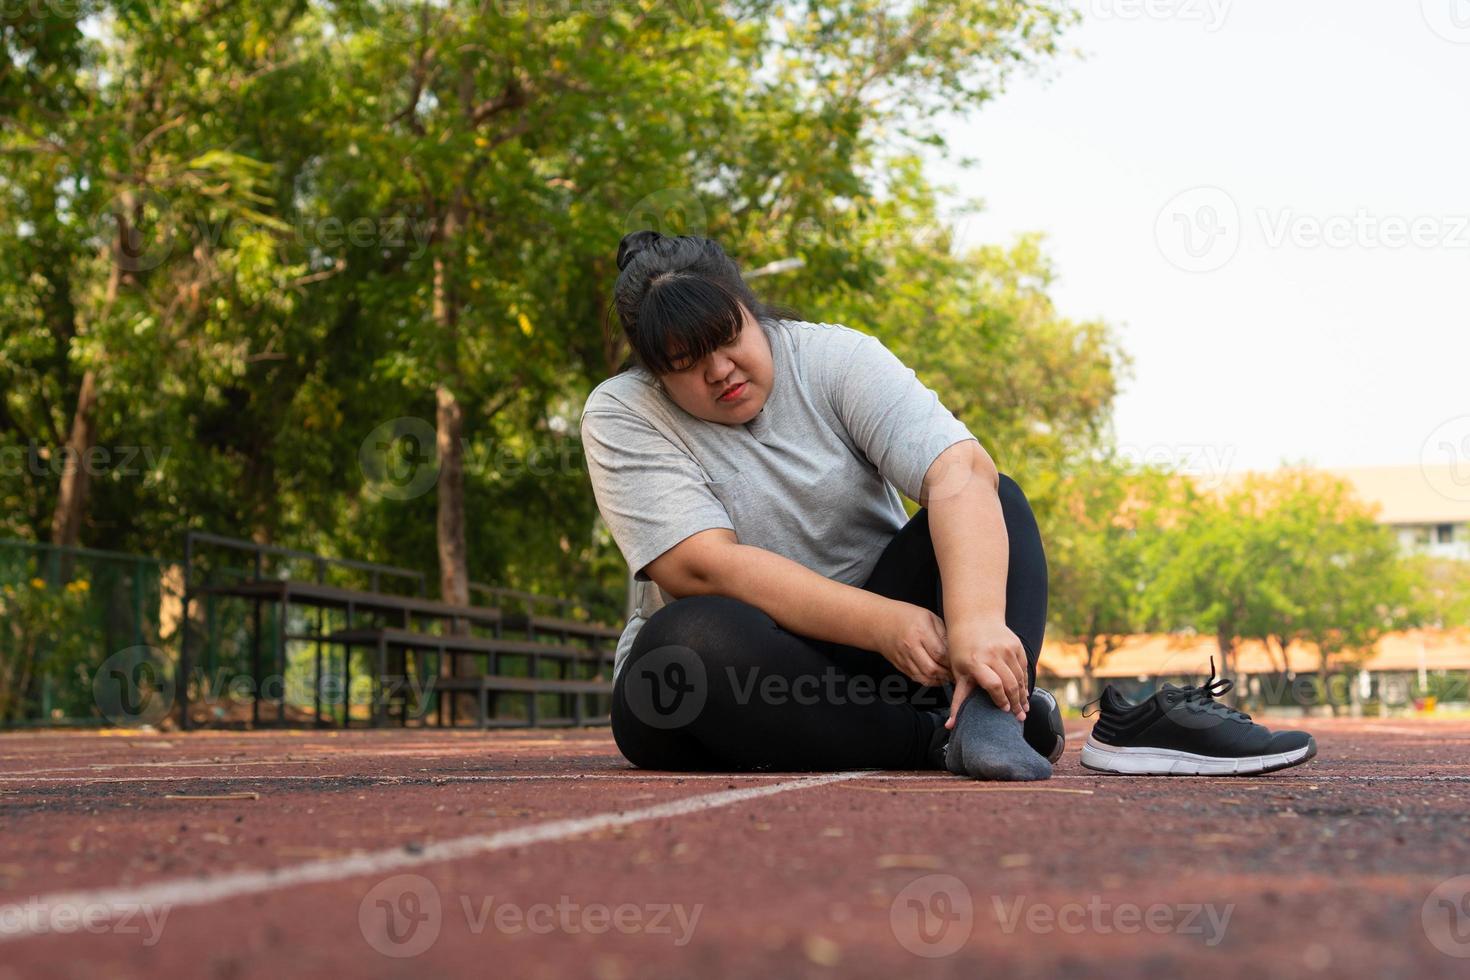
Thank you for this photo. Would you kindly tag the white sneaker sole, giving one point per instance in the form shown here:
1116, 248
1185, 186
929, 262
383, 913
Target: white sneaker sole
1172, 762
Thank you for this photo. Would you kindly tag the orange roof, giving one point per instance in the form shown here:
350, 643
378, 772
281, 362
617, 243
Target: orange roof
1412, 494
1429, 494
1161, 654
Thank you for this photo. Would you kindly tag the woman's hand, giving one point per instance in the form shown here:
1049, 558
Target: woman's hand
985, 653
913, 639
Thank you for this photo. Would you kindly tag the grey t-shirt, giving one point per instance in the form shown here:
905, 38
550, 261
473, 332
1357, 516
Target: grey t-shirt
811, 477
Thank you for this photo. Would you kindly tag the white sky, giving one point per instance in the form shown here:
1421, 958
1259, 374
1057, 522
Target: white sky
1303, 113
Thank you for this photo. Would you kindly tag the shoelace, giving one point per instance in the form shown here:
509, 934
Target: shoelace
1204, 695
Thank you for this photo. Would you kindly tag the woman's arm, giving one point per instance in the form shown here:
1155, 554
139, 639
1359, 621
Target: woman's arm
973, 551
802, 601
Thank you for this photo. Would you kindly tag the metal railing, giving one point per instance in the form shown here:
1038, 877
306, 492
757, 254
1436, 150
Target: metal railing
92, 637
259, 554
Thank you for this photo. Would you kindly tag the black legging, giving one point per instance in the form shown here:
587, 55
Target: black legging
713, 683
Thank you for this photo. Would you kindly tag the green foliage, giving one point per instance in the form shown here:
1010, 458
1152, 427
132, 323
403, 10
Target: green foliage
1345, 585
1440, 592
1112, 522
65, 613
980, 328
267, 228
39, 641
1289, 556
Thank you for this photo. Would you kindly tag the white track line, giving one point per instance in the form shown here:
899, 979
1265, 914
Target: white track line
35, 917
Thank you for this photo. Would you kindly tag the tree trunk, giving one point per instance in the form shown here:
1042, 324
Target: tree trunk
71, 501
454, 575
1089, 670
1326, 673
1225, 639
1281, 642
454, 578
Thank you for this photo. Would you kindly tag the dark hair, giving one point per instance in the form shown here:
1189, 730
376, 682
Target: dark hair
683, 293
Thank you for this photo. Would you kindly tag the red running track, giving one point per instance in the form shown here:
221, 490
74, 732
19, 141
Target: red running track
427, 853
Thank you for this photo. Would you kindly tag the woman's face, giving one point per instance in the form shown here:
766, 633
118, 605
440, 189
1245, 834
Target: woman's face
742, 368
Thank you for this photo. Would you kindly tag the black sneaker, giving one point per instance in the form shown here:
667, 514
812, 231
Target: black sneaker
1043, 729
1184, 731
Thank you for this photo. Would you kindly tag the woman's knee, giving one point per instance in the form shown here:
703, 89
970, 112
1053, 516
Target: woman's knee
700, 622
1020, 519
1012, 497
649, 734
679, 672
720, 632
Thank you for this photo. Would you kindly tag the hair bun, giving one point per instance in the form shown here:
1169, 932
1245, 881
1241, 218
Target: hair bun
633, 243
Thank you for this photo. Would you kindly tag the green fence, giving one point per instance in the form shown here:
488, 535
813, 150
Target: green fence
92, 637
68, 615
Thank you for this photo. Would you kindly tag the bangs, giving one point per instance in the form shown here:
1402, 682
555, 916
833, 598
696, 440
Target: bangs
684, 318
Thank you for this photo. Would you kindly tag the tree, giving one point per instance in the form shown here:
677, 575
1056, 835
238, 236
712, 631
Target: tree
1289, 555
180, 179
1204, 575
1440, 591
119, 172
1097, 544
530, 143
1036, 388
1350, 585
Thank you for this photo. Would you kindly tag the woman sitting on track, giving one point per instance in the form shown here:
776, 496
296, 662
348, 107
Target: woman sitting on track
746, 464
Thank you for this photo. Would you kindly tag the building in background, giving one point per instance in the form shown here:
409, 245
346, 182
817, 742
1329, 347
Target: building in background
1405, 666
1427, 506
